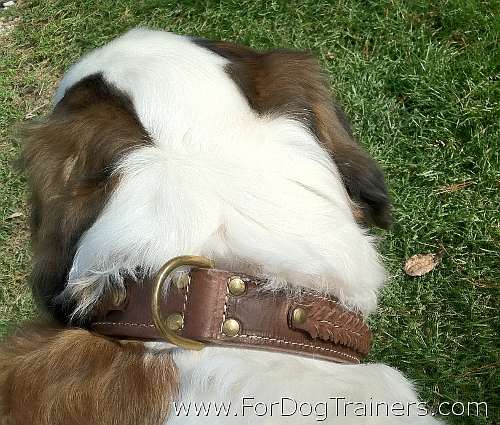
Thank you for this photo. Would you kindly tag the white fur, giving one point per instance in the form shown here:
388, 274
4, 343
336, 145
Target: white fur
230, 375
219, 181
255, 193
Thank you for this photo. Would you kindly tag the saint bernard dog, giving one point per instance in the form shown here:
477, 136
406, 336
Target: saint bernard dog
161, 145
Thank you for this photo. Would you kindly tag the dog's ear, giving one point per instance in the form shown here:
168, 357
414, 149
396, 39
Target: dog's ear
69, 159
292, 83
362, 177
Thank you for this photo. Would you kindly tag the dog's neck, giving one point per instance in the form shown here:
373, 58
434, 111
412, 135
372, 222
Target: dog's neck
218, 307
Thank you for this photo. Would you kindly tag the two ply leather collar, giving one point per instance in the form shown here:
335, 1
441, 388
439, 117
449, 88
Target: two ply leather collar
223, 308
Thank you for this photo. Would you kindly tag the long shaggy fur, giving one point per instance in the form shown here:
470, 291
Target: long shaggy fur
162, 145
70, 159
55, 376
254, 189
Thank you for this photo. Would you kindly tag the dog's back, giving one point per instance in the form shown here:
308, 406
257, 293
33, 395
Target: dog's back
161, 145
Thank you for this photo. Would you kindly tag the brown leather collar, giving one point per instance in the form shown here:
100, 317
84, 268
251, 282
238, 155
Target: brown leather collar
223, 308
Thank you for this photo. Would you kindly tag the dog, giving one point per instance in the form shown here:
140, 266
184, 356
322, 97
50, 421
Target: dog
160, 146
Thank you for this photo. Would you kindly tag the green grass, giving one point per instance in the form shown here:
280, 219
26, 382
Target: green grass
419, 80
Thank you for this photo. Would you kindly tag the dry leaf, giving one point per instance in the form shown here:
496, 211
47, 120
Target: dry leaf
454, 187
15, 215
421, 264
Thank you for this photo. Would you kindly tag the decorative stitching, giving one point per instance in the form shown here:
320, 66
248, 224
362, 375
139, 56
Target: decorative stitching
186, 296
139, 325
225, 306
337, 326
282, 341
320, 297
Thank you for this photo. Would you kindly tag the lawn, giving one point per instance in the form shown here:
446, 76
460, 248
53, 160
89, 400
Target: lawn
420, 82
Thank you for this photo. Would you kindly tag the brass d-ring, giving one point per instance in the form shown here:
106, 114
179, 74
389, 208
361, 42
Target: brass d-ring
165, 271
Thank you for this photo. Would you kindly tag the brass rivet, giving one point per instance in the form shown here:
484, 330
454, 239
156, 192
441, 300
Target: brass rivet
182, 281
175, 321
299, 316
231, 327
236, 286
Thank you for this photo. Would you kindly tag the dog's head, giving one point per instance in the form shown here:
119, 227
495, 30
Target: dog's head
161, 145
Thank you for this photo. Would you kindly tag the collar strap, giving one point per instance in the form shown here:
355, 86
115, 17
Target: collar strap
222, 308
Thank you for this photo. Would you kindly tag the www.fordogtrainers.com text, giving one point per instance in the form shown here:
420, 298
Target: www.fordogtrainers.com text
322, 410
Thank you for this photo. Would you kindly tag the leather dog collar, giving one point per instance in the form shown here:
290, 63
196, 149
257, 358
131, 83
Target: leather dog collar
223, 308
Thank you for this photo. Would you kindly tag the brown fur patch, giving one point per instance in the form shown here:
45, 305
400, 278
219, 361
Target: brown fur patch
292, 83
69, 158
53, 376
